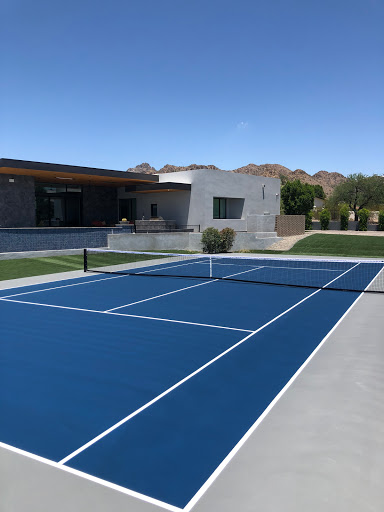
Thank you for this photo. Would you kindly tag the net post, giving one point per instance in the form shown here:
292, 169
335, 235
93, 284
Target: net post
210, 266
85, 260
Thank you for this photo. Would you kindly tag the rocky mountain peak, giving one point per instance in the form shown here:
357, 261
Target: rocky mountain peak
328, 180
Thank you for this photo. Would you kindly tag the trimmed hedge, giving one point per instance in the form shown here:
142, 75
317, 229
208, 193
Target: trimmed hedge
363, 215
380, 227
325, 217
308, 220
344, 217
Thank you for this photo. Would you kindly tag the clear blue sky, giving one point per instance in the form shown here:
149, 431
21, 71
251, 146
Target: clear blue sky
119, 82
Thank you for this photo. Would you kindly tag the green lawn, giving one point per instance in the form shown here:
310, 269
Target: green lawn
27, 267
337, 245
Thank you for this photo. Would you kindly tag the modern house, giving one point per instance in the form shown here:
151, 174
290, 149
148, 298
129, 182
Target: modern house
43, 195
34, 194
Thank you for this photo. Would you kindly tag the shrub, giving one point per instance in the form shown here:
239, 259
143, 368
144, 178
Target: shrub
325, 217
363, 215
214, 241
308, 220
211, 240
380, 226
227, 236
344, 217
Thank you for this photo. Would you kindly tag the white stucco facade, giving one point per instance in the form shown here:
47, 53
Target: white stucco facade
247, 198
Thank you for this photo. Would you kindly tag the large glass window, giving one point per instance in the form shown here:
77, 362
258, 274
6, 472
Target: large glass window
58, 205
219, 208
127, 209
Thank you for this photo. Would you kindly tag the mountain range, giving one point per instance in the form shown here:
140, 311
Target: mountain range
328, 180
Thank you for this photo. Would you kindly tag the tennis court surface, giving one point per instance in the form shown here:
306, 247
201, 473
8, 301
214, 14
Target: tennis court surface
149, 376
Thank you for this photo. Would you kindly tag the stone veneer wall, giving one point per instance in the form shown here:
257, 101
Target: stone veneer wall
17, 201
289, 225
99, 204
49, 239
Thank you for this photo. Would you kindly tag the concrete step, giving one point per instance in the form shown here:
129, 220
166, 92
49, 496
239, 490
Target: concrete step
266, 234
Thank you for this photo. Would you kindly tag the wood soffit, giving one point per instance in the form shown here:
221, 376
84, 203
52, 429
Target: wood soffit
49, 176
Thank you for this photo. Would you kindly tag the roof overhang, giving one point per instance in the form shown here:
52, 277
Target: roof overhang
158, 187
58, 173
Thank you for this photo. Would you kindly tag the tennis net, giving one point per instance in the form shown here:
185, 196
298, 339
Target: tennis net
347, 275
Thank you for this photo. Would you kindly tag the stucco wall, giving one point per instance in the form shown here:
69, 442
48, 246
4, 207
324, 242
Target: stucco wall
99, 204
207, 184
17, 201
196, 207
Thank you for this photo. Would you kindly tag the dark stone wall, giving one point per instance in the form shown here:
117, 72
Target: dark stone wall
17, 201
44, 239
99, 204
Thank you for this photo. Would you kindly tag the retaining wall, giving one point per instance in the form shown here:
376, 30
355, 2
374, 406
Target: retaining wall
40, 239
181, 241
290, 225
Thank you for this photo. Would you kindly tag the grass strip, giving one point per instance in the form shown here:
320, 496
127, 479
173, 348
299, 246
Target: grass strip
336, 245
28, 267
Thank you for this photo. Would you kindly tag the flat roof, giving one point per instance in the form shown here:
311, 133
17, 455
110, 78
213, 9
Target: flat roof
57, 173
165, 186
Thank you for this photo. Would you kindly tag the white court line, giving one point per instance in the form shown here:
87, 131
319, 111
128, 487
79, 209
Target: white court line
248, 434
157, 296
161, 267
95, 479
284, 267
125, 314
336, 278
64, 286
177, 291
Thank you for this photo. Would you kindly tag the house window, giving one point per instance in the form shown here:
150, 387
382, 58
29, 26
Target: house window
153, 210
219, 208
127, 209
58, 204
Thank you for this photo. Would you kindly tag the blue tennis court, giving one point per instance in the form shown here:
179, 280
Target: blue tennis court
150, 383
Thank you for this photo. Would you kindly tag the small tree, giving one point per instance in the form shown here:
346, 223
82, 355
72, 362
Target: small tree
360, 191
325, 217
380, 226
297, 198
344, 217
227, 236
211, 240
363, 219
